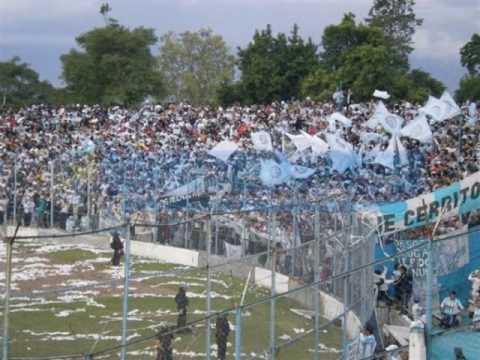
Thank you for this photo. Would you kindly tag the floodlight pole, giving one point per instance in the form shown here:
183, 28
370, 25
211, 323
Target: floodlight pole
273, 286
316, 252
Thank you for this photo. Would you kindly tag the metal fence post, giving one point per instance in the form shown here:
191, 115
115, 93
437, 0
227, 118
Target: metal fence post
52, 184
209, 285
316, 274
345, 297
89, 200
8, 278
273, 288
15, 190
238, 333
125, 293
429, 298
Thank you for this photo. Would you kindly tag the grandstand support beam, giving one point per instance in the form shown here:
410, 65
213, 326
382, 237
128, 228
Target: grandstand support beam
125, 293
272, 286
238, 333
8, 281
209, 288
316, 275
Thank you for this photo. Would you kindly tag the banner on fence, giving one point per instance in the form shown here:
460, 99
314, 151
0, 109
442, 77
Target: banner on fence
460, 199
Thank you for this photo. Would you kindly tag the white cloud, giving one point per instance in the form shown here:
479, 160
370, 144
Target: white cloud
437, 44
27, 39
21, 10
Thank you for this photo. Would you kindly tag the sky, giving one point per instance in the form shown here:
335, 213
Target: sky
39, 31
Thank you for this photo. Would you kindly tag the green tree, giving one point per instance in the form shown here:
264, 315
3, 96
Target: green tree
415, 86
230, 92
354, 56
366, 68
470, 55
398, 21
20, 85
339, 40
105, 9
273, 67
195, 65
114, 65
469, 89
423, 80
319, 85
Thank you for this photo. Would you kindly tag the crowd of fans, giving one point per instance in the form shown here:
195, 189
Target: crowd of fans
110, 162
141, 155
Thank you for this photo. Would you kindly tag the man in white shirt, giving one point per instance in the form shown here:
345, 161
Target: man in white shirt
450, 308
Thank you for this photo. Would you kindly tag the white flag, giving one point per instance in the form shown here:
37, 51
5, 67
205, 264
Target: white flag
223, 150
341, 154
380, 113
262, 141
301, 142
367, 137
452, 109
418, 129
386, 157
402, 152
319, 147
346, 122
392, 123
435, 108
381, 94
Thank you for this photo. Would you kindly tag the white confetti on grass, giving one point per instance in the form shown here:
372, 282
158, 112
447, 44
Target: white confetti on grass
65, 313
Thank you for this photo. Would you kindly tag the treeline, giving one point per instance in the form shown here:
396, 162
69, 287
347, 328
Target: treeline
115, 65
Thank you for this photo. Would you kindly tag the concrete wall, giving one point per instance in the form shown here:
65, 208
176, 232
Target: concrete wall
263, 279
164, 253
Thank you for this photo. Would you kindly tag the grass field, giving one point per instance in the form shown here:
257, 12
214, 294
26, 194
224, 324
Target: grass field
85, 320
